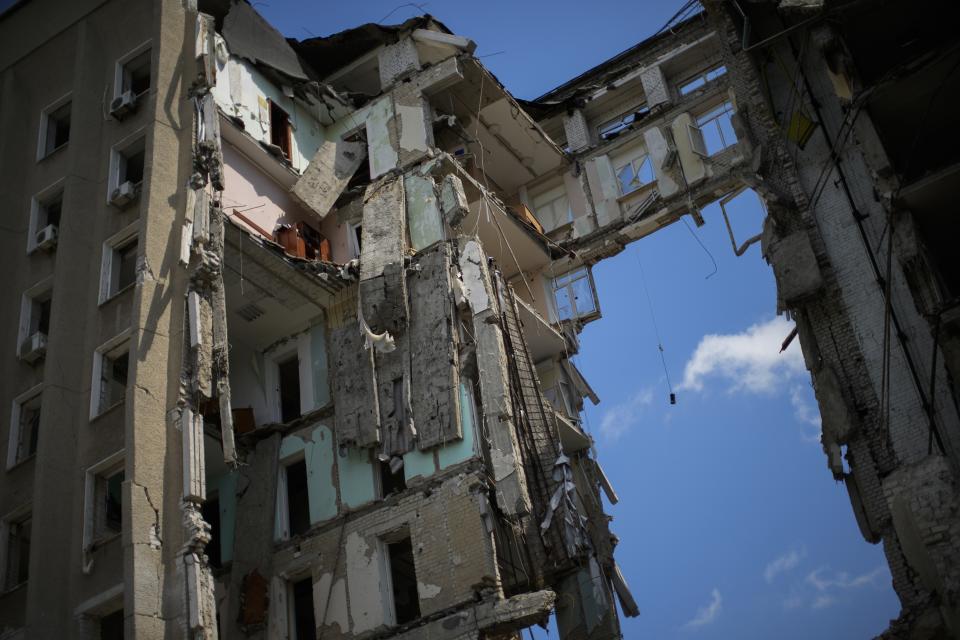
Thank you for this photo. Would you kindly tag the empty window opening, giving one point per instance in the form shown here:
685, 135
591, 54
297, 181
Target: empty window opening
48, 211
111, 503
113, 377
55, 129
111, 626
35, 310
119, 268
390, 482
18, 552
620, 124
635, 174
211, 514
45, 220
131, 167
298, 501
302, 622
354, 238
135, 74
126, 172
280, 131
288, 373
575, 295
403, 579
701, 79
715, 130
26, 430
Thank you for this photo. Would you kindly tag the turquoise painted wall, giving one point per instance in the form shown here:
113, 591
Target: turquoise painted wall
318, 356
356, 477
317, 451
418, 463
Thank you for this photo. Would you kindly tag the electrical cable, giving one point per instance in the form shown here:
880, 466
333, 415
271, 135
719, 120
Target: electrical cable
656, 329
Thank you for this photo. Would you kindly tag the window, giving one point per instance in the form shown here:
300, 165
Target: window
103, 518
302, 621
133, 73
109, 382
35, 308
403, 580
354, 237
714, 131
613, 128
288, 376
391, 481
280, 130
211, 514
126, 172
111, 626
294, 500
45, 210
576, 295
553, 209
17, 551
635, 174
118, 269
54, 128
24, 427
701, 79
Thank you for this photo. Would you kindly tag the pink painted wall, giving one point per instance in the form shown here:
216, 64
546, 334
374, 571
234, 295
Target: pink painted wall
261, 199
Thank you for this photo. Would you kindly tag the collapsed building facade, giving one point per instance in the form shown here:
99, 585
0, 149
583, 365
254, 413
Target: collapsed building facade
294, 350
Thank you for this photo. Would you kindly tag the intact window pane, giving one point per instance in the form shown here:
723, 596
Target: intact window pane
583, 296
564, 304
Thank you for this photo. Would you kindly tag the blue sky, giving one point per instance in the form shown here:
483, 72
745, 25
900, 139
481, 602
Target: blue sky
731, 526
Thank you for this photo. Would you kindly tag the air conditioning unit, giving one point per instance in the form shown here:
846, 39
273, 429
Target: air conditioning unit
34, 347
123, 105
124, 194
47, 237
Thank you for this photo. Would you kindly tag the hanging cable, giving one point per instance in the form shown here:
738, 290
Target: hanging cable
656, 329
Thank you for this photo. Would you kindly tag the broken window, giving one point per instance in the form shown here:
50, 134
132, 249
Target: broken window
54, 129
134, 74
280, 131
298, 501
301, 616
635, 174
25, 427
701, 79
288, 377
403, 581
111, 626
354, 236
110, 366
391, 481
119, 268
17, 566
35, 309
576, 295
553, 209
715, 130
211, 515
613, 128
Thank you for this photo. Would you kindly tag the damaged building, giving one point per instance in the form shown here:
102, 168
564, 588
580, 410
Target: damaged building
292, 323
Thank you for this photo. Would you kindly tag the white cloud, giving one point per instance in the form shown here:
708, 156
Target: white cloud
795, 601
821, 581
782, 564
706, 615
806, 414
619, 418
822, 601
750, 360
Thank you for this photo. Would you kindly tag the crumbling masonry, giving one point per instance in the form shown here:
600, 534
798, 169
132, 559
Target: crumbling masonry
329, 358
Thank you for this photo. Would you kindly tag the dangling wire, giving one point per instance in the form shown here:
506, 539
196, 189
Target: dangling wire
656, 329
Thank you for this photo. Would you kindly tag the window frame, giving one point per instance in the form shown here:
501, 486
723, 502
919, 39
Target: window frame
645, 159
567, 283
30, 297
118, 156
559, 192
15, 517
109, 262
38, 202
106, 469
292, 604
14, 434
354, 229
112, 346
715, 112
614, 127
705, 78
119, 74
43, 133
100, 606
282, 531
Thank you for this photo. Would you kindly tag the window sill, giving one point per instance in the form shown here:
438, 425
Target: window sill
104, 540
641, 190
108, 410
53, 152
117, 294
13, 589
21, 463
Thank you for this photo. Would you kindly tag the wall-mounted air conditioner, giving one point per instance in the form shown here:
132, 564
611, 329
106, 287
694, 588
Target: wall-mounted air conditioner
46, 238
124, 194
34, 347
123, 105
